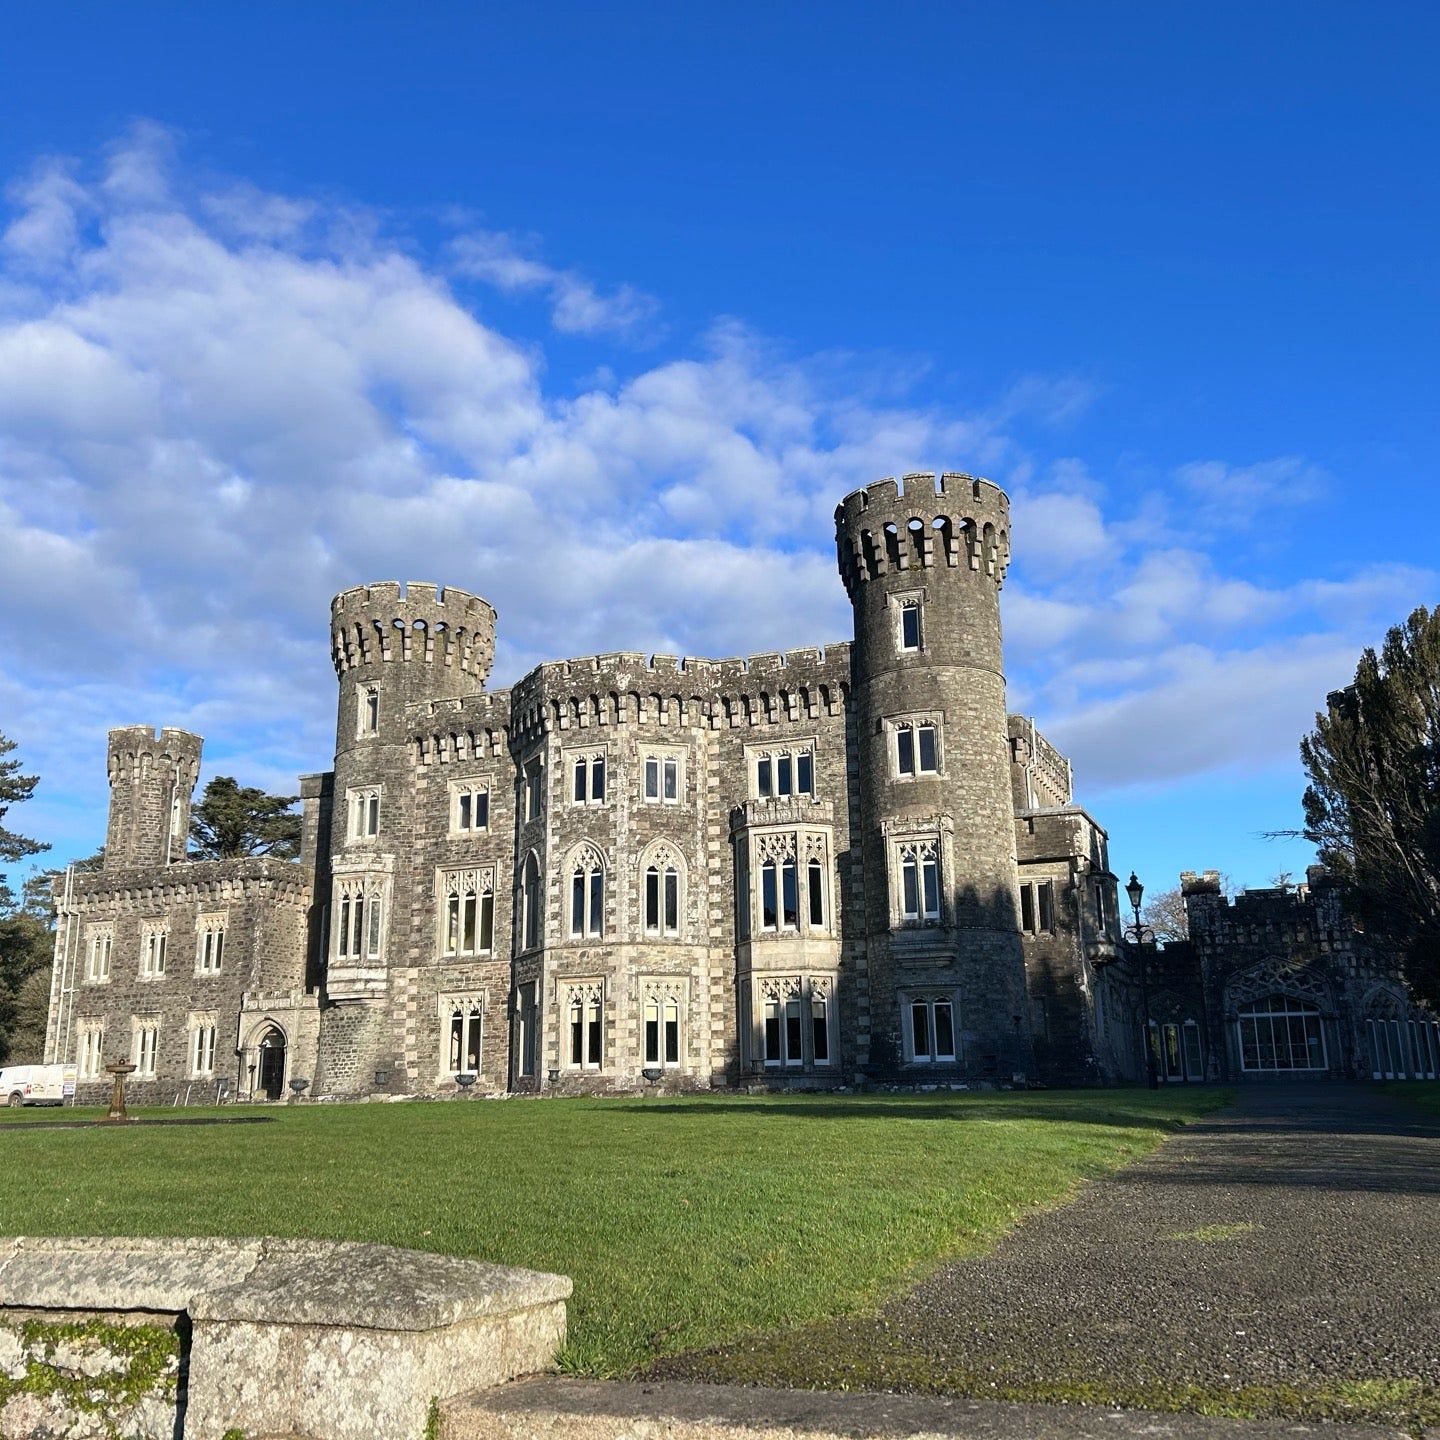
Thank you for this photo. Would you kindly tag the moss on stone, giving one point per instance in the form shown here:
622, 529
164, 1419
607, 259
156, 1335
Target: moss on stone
151, 1356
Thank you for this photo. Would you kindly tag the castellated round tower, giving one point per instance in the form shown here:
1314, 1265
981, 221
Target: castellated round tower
923, 564
392, 645
152, 779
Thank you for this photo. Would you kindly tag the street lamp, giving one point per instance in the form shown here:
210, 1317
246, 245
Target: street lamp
1141, 935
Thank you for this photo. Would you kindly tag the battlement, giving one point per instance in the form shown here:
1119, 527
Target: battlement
143, 745
923, 521
387, 622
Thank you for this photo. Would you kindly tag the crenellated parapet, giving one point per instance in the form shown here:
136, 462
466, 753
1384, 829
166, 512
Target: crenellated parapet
389, 623
922, 522
631, 688
211, 882
467, 727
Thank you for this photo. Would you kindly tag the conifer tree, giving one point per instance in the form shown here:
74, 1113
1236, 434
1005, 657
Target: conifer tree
231, 820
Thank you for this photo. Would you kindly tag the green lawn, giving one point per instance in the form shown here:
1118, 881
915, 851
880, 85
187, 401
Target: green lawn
685, 1223
1423, 1093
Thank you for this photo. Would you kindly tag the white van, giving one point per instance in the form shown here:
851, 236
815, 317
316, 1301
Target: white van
36, 1084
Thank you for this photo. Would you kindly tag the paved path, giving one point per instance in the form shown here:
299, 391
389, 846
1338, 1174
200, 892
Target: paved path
1290, 1243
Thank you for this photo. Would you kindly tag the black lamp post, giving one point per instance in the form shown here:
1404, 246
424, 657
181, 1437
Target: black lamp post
1141, 935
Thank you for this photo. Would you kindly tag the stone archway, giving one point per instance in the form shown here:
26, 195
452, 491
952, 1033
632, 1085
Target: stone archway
265, 1061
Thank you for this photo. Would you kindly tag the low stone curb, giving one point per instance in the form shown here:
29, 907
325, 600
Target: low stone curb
557, 1408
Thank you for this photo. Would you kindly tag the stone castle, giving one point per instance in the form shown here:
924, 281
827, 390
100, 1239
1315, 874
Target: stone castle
836, 866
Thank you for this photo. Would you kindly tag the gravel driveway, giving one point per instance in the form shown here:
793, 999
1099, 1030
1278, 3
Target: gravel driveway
1281, 1256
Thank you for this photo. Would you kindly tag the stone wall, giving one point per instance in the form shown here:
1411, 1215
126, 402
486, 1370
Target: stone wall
201, 1339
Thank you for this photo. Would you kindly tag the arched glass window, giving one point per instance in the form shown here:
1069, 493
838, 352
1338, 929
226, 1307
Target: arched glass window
587, 899
530, 903
662, 899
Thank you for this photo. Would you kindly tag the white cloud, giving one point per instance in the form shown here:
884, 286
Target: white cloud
578, 308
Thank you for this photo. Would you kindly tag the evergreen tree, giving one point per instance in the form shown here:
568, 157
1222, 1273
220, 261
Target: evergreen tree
14, 788
230, 821
1372, 807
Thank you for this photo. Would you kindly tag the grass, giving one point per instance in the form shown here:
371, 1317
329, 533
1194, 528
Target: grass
1422, 1093
685, 1223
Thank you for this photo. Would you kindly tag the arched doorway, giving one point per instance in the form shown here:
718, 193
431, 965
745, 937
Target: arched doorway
270, 1067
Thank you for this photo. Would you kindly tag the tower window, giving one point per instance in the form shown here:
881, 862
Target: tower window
910, 625
359, 910
530, 904
919, 881
662, 779
917, 749
369, 710
930, 1029
587, 899
365, 813
534, 794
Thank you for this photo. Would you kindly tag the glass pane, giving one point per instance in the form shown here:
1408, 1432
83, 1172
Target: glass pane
456, 1045
579, 788
487, 921
577, 903
597, 901
944, 1031
652, 1034
932, 886
772, 1030
920, 1029
794, 1050
672, 779
652, 779
790, 880
769, 903
597, 778
652, 899
816, 881
910, 626
672, 901
1027, 909
577, 1035
805, 773
910, 887
1047, 906
672, 1033
905, 743
452, 924
783, 784
482, 809
594, 1055
819, 1031
464, 809
469, 945
374, 927
927, 748
762, 776
1194, 1061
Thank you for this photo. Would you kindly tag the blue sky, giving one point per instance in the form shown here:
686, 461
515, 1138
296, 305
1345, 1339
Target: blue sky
597, 310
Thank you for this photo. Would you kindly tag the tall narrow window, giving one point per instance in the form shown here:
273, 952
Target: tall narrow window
145, 1049
815, 888
784, 775
364, 814
1102, 909
152, 952
805, 773
1027, 909
672, 1031
1045, 893
369, 717
905, 750
587, 1027
202, 1048
463, 1041
764, 781
790, 893
652, 1032
671, 777
930, 883
769, 896
534, 795
932, 1029
794, 1034
662, 899
587, 899
920, 880
652, 778
820, 1028
526, 1030
587, 783
530, 903
772, 1032
97, 960
910, 625
360, 912
597, 779
209, 944
90, 1061
929, 755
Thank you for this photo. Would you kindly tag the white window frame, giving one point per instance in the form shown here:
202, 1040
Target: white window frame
452, 888
154, 943
203, 1033
796, 996
469, 1010
911, 727
90, 1049
930, 1001
145, 1057
662, 997
663, 765
99, 951
928, 852
367, 711
767, 764
912, 602
586, 864
473, 791
585, 766
584, 1000
362, 812
210, 943
1033, 897
358, 934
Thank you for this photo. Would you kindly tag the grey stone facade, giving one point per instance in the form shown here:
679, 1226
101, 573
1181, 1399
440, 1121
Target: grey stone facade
830, 866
